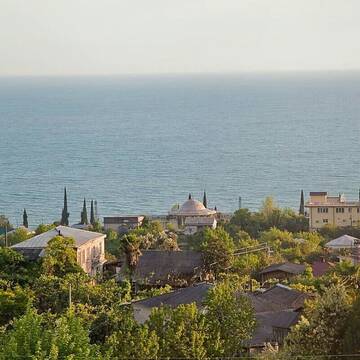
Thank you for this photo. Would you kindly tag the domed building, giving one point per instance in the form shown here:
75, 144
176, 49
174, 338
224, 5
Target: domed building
193, 211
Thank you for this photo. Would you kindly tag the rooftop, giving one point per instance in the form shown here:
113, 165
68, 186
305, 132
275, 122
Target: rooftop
40, 241
342, 242
192, 207
287, 267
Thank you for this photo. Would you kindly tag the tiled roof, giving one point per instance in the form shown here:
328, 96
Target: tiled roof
40, 241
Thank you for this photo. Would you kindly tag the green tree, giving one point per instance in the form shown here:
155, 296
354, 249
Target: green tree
84, 217
231, 320
65, 214
181, 332
60, 257
321, 328
352, 329
25, 219
18, 235
44, 228
218, 248
302, 204
92, 214
13, 301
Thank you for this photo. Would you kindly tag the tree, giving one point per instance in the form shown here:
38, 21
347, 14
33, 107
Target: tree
231, 320
321, 328
44, 228
218, 248
25, 219
302, 204
205, 200
60, 257
92, 214
181, 332
13, 301
65, 214
268, 206
132, 341
352, 329
84, 217
18, 235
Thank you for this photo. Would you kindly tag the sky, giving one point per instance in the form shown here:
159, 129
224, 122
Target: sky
103, 37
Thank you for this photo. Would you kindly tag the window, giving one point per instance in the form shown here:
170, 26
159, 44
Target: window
340, 210
323, 210
350, 210
325, 221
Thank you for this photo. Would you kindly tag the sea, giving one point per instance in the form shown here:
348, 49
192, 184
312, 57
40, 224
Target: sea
140, 144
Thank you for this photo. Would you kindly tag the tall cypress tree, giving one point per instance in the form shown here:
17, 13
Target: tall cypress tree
204, 199
189, 197
84, 217
65, 214
302, 204
25, 219
92, 214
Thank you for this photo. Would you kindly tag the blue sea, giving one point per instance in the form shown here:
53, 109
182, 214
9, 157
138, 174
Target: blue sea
139, 144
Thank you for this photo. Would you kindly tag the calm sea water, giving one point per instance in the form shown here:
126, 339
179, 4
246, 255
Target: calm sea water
141, 144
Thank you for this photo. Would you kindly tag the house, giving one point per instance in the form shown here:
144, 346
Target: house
195, 224
276, 310
281, 271
89, 247
332, 210
345, 247
122, 224
320, 268
159, 268
192, 294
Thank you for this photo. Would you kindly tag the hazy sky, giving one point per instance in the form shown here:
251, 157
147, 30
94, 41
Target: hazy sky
41, 37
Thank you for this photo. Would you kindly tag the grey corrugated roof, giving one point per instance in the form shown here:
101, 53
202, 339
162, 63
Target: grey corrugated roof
193, 294
40, 241
290, 268
342, 242
157, 266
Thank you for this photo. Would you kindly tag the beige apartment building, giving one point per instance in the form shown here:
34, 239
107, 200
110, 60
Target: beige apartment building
324, 209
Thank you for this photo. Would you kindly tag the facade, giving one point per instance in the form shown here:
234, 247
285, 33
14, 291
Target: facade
332, 210
195, 224
122, 224
89, 247
281, 271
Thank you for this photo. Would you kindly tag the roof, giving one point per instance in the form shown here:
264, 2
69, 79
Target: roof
199, 221
287, 267
266, 322
123, 219
280, 297
192, 207
342, 242
40, 241
318, 193
320, 268
192, 294
159, 267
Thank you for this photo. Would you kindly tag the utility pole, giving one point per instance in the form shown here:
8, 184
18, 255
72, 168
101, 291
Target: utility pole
70, 300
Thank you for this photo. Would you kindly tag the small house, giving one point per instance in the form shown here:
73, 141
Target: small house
281, 271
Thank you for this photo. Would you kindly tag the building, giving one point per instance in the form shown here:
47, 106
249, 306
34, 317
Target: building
191, 209
159, 268
346, 248
122, 224
281, 271
195, 224
192, 294
332, 210
89, 247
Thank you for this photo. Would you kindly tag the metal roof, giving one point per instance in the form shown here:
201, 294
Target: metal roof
40, 241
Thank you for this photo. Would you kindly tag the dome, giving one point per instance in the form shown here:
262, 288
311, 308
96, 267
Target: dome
194, 207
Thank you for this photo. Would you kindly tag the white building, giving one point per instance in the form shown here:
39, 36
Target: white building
89, 247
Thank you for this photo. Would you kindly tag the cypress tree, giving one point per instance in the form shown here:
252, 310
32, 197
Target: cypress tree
92, 214
65, 214
84, 217
25, 219
302, 204
189, 196
204, 199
